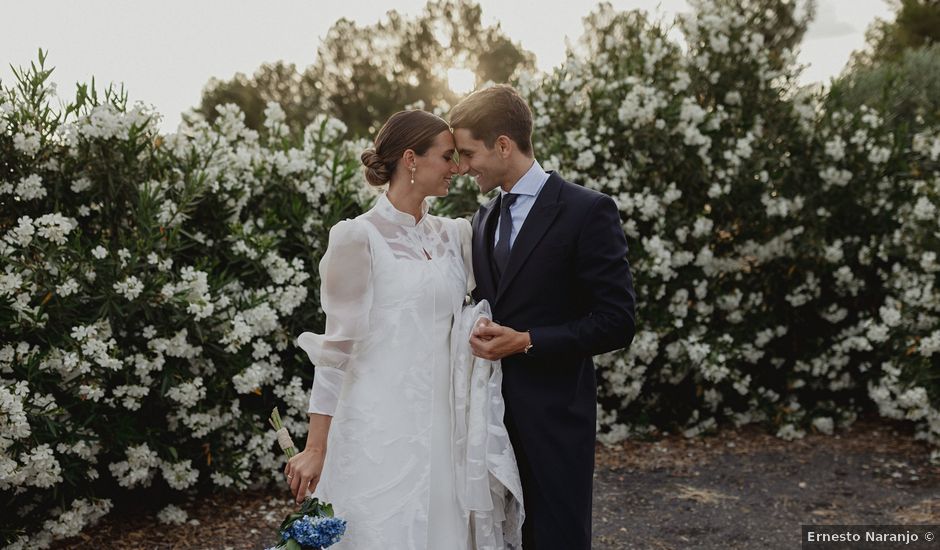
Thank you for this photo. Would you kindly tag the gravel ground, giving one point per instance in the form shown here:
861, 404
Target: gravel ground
746, 489
737, 489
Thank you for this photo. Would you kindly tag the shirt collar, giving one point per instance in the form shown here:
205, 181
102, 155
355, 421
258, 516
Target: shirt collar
531, 182
388, 211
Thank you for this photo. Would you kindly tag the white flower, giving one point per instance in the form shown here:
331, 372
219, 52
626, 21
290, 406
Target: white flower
781, 206
169, 214
879, 155
139, 467
930, 345
697, 351
40, 467
332, 127
835, 148
261, 349
130, 287
835, 176
256, 375
188, 394
928, 261
27, 140
131, 394
89, 392
105, 121
172, 514
99, 252
67, 288
258, 321
925, 210
790, 432
221, 480
71, 522
891, 316
719, 43
195, 289
926, 144
124, 255
274, 118
5, 107
30, 188
81, 184
180, 475
585, 160
22, 234
743, 146
824, 424
640, 105
13, 420
834, 253
877, 333
703, 227
55, 227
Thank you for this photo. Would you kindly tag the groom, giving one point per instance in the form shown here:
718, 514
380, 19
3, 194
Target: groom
550, 257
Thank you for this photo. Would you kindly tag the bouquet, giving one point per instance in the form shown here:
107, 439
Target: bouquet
313, 527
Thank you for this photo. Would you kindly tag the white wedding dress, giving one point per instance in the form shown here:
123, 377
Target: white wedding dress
396, 466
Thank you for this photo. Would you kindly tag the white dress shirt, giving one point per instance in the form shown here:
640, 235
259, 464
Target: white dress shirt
528, 188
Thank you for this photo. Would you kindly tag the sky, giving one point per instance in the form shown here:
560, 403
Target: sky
165, 52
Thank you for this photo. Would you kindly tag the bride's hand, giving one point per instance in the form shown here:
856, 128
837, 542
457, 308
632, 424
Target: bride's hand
478, 326
303, 472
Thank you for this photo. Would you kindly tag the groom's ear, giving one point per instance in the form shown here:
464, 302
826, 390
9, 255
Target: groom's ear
504, 146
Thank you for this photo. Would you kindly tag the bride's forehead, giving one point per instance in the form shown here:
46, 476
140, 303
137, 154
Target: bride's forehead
445, 139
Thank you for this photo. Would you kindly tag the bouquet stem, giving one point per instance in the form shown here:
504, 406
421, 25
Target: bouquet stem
283, 437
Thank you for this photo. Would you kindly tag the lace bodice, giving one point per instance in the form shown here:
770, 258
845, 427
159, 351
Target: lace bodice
358, 282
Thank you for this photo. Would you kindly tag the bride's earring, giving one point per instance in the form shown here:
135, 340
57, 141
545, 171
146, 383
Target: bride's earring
412, 174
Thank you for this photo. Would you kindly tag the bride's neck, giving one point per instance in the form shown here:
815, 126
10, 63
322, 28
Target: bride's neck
404, 199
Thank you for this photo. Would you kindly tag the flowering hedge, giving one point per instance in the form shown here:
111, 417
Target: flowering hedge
150, 291
784, 250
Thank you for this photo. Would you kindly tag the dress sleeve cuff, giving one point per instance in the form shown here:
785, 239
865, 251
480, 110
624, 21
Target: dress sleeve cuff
324, 395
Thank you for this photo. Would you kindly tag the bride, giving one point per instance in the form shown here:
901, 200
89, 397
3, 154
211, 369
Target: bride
406, 435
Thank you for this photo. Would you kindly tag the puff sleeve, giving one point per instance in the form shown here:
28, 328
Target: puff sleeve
346, 299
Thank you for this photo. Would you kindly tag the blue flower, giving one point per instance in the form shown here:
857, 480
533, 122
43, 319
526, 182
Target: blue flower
316, 532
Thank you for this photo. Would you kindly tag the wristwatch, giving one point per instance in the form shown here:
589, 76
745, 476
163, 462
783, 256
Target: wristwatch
529, 345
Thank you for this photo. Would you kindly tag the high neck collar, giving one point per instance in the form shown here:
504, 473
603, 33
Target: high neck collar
388, 211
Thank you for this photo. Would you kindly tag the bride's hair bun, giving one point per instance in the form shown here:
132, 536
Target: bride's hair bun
377, 172
415, 130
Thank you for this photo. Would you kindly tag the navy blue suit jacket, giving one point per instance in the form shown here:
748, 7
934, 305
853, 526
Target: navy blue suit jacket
568, 283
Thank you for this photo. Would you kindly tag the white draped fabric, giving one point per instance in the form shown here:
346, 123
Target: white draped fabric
488, 484
392, 289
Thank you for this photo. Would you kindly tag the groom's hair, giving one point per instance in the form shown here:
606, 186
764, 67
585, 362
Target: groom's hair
493, 112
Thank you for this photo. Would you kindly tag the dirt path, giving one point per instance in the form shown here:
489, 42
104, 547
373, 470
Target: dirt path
739, 489
744, 489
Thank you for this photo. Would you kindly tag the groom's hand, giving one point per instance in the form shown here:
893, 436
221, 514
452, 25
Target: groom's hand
493, 341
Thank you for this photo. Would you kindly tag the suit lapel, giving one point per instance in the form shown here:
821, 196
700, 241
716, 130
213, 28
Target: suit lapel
482, 270
538, 221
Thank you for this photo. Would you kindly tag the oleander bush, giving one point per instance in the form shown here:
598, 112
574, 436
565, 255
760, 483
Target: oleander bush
150, 290
784, 247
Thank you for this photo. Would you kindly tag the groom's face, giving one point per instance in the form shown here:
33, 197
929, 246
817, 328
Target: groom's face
479, 161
